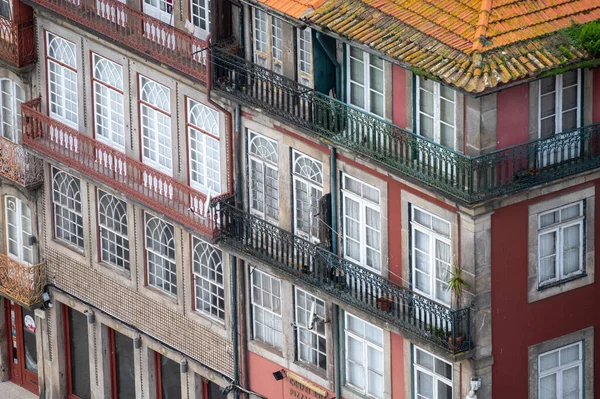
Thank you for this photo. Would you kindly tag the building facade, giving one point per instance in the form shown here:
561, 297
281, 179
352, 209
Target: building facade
308, 199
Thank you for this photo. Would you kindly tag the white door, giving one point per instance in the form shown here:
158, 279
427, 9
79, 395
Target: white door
18, 230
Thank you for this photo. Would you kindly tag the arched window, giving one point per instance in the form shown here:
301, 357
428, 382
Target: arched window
160, 255
264, 177
112, 220
108, 102
68, 218
155, 108
62, 79
308, 190
208, 279
11, 98
203, 136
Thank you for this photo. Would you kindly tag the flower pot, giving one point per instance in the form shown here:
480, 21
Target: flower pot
385, 304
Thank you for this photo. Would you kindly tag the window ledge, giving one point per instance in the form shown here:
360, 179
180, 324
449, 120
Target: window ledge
560, 282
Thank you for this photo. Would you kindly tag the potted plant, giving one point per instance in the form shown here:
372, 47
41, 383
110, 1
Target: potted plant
456, 285
385, 304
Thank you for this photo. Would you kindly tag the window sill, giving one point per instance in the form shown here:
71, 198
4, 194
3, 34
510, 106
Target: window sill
561, 282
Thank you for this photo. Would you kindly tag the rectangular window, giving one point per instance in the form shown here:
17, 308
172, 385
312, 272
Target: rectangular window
433, 376
436, 112
77, 354
18, 230
209, 291
560, 374
268, 53
160, 255
366, 81
431, 255
11, 98
200, 11
305, 69
122, 365
266, 309
362, 223
308, 190
364, 356
203, 136
114, 239
155, 111
310, 320
264, 177
108, 102
62, 79
68, 216
560, 243
168, 378
160, 9
559, 103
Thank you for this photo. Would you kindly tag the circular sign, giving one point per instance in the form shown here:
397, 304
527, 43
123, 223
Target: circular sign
29, 323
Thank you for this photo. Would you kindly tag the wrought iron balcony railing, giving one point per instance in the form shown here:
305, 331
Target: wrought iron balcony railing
21, 282
468, 179
17, 42
345, 280
138, 31
18, 165
124, 173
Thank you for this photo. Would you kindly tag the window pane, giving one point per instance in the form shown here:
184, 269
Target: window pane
569, 355
424, 359
569, 78
548, 361
569, 99
547, 85
570, 384
549, 219
444, 391
548, 387
424, 385
444, 369
569, 120
80, 355
571, 245
124, 362
170, 378
547, 105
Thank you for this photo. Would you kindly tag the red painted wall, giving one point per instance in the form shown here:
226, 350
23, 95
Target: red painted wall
399, 96
397, 344
512, 124
516, 324
395, 232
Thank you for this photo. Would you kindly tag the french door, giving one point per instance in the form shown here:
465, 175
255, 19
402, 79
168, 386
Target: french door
17, 216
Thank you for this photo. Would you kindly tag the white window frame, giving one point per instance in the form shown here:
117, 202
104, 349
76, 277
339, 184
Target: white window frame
22, 227
209, 292
268, 53
165, 272
366, 74
558, 111
69, 209
367, 342
108, 95
269, 311
559, 370
311, 330
437, 120
436, 378
10, 110
305, 57
154, 8
262, 159
312, 180
113, 231
364, 204
558, 229
153, 115
433, 236
197, 7
62, 80
204, 147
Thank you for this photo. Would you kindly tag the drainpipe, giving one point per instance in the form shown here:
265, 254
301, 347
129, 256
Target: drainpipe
241, 29
334, 249
333, 59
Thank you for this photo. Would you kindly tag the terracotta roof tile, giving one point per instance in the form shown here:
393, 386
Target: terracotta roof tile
293, 8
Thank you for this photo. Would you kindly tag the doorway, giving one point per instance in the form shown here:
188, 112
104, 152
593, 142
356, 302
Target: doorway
22, 346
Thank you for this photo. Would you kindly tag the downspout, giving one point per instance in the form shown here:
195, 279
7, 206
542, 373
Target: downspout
334, 249
336, 64
234, 301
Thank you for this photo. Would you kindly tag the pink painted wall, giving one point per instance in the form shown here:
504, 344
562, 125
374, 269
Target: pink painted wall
512, 126
399, 96
397, 343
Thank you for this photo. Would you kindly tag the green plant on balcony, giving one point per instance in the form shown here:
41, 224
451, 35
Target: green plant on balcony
456, 285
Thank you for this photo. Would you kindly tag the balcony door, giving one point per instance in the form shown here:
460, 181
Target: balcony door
22, 346
11, 98
17, 216
163, 11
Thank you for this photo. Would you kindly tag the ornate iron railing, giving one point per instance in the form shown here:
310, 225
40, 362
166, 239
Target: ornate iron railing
18, 165
469, 179
140, 32
17, 42
20, 282
109, 166
345, 280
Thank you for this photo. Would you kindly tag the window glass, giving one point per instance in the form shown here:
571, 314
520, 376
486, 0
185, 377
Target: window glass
310, 319
62, 79
559, 102
364, 356
79, 355
155, 108
436, 112
433, 376
560, 373
208, 279
203, 135
266, 309
108, 101
124, 366
11, 98
68, 217
308, 190
170, 378
366, 81
114, 239
160, 255
264, 177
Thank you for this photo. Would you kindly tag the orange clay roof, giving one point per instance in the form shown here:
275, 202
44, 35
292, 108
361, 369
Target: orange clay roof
474, 45
293, 8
